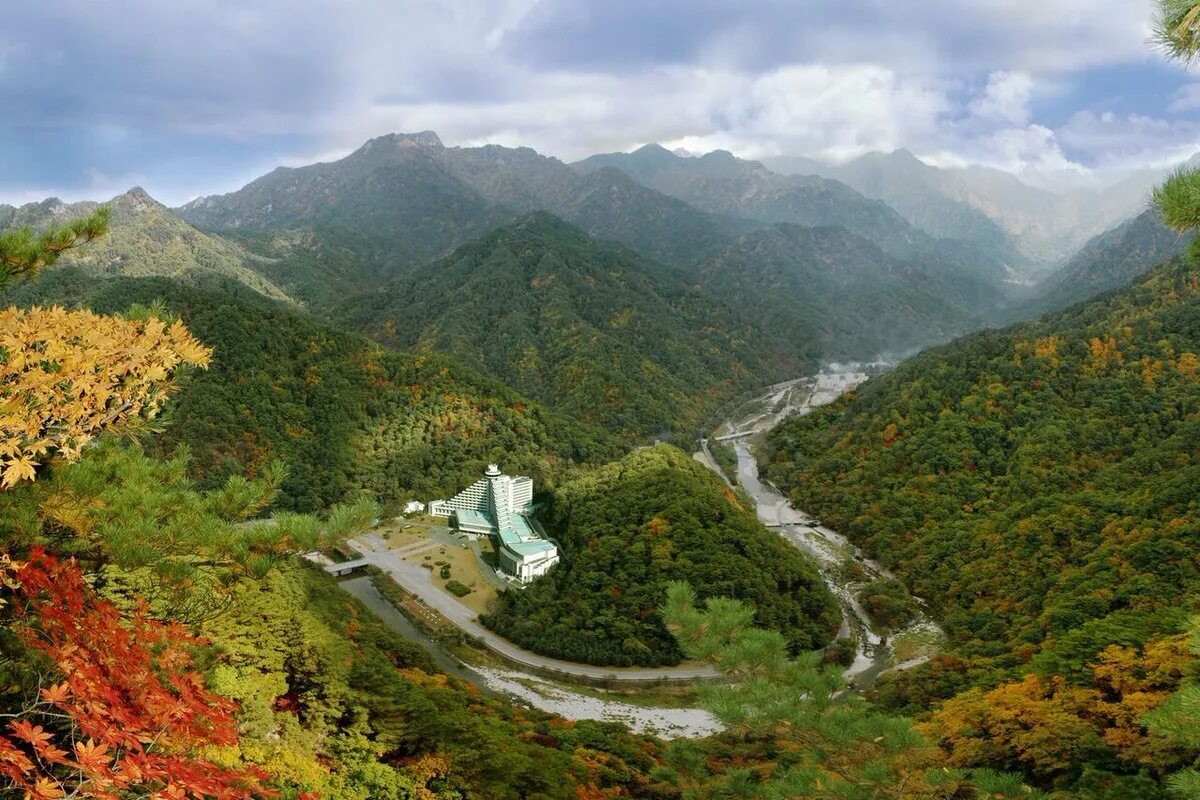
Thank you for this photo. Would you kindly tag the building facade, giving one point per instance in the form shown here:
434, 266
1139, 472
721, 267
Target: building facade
500, 506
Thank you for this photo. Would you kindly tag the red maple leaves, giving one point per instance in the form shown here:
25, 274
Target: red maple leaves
130, 713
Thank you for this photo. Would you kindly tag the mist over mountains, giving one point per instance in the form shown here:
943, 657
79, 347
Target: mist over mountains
725, 272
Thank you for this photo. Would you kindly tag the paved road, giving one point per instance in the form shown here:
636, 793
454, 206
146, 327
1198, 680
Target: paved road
705, 457
419, 581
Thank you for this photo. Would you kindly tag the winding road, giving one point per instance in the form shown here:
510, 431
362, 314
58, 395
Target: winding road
828, 547
419, 581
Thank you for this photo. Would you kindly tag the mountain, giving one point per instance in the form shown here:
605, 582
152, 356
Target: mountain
351, 226
1037, 485
629, 528
721, 183
833, 294
592, 329
146, 238
345, 415
912, 188
403, 199
1110, 260
1042, 224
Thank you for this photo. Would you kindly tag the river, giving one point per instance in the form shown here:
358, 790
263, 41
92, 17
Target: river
874, 654
541, 693
829, 549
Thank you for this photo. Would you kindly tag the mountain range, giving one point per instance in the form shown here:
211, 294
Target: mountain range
148, 239
591, 328
660, 282
1044, 224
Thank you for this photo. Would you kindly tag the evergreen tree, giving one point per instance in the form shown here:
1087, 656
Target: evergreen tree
1178, 720
1177, 32
811, 736
24, 251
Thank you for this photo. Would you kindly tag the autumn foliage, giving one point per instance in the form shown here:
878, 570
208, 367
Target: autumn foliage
124, 714
65, 376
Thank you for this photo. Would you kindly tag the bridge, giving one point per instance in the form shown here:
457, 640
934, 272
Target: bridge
346, 567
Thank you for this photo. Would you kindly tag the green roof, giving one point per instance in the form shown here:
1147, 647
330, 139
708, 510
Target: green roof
470, 517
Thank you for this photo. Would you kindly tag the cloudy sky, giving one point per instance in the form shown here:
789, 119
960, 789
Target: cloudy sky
191, 97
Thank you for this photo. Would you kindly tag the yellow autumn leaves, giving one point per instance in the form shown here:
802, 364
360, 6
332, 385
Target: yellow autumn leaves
65, 376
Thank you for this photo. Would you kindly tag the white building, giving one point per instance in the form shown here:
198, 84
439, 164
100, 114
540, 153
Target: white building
414, 507
500, 505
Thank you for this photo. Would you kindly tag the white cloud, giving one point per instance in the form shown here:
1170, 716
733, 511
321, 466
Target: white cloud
284, 80
1187, 98
1005, 99
1131, 140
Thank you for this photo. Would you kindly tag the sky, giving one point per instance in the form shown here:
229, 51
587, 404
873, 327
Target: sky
193, 97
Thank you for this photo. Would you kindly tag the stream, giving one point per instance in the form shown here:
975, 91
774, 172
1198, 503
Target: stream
547, 695
874, 654
830, 550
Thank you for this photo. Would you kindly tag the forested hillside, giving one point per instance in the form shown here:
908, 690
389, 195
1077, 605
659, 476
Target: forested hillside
629, 528
328, 699
145, 238
833, 294
344, 415
591, 329
1108, 261
721, 183
401, 200
1038, 486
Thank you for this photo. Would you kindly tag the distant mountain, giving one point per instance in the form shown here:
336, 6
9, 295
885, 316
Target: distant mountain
1045, 223
1110, 260
721, 183
834, 294
403, 199
592, 329
912, 188
146, 238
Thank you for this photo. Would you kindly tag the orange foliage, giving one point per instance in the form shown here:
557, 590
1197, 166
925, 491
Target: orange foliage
128, 714
67, 375
1045, 725
1104, 353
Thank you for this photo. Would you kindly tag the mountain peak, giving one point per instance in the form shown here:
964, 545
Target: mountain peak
405, 140
653, 148
718, 155
137, 199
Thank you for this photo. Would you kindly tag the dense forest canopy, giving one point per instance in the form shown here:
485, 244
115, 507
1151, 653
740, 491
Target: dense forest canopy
591, 329
629, 528
1037, 485
346, 416
159, 639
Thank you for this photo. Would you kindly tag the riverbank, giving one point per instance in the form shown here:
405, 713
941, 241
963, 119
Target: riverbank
418, 581
844, 568
665, 721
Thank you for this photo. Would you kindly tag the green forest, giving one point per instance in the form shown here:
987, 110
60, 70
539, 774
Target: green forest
628, 529
591, 329
329, 700
1038, 485
344, 416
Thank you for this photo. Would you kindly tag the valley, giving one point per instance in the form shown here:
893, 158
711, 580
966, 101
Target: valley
843, 566
600, 401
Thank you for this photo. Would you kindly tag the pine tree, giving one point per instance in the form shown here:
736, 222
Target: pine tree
1177, 32
24, 251
814, 737
1178, 720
